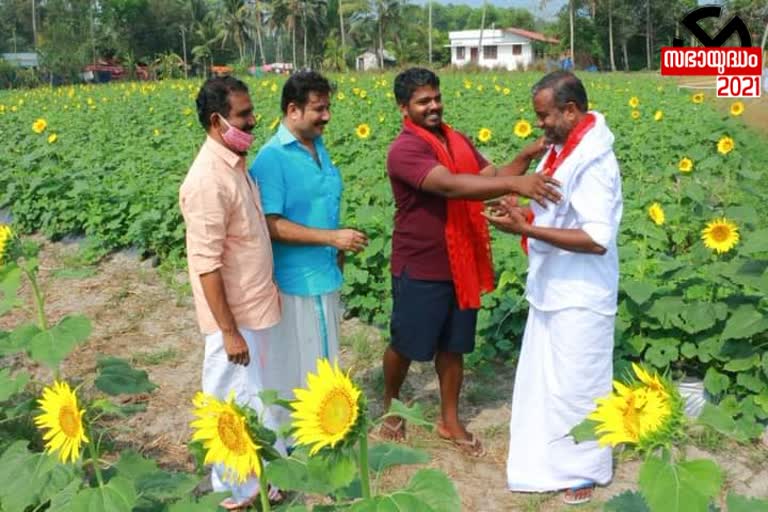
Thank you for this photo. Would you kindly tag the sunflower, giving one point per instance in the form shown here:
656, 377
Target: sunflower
685, 165
223, 430
656, 213
725, 145
363, 94
63, 420
340, 96
523, 128
658, 115
274, 123
629, 415
633, 102
52, 138
652, 381
505, 91
484, 135
635, 114
327, 410
363, 131
720, 235
737, 108
6, 235
698, 98
39, 125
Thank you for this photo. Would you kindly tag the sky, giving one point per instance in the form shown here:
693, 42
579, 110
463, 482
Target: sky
548, 12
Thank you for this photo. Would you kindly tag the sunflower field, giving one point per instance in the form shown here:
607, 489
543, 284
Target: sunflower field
105, 162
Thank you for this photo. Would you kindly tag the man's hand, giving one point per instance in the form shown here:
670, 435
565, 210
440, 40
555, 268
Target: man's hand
536, 149
538, 187
349, 240
236, 348
514, 221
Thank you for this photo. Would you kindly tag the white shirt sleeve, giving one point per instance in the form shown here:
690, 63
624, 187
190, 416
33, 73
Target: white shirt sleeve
594, 199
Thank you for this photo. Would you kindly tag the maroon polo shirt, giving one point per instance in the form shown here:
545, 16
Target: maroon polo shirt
418, 239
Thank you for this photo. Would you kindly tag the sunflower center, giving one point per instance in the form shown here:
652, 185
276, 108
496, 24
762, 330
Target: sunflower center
721, 233
231, 433
69, 421
336, 412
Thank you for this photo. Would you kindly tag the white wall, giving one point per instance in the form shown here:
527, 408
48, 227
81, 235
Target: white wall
504, 57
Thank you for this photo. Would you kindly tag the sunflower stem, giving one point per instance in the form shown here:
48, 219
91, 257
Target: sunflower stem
263, 488
95, 458
365, 479
39, 300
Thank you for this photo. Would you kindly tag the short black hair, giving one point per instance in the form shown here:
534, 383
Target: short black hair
298, 86
214, 97
411, 79
565, 87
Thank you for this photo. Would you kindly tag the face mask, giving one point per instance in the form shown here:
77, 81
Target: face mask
236, 139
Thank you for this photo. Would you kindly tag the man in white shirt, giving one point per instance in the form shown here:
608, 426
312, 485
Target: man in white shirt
566, 361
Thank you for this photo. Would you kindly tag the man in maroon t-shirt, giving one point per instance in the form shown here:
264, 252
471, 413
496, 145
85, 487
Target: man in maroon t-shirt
426, 321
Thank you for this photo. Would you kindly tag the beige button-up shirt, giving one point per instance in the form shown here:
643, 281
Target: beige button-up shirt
226, 230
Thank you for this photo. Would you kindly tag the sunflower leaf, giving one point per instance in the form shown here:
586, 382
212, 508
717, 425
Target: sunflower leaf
10, 385
678, 487
584, 431
627, 501
117, 376
52, 346
737, 503
746, 321
429, 490
639, 291
162, 485
204, 504
721, 421
133, 466
413, 414
31, 474
10, 281
384, 455
118, 495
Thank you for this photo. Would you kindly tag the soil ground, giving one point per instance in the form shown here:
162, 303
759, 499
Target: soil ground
136, 315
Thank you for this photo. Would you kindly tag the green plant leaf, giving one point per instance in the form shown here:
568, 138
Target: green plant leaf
716, 382
413, 414
742, 364
118, 495
639, 291
51, 347
744, 322
10, 385
31, 474
117, 376
207, 503
679, 487
721, 421
429, 490
10, 281
737, 503
384, 455
133, 466
162, 485
584, 431
628, 501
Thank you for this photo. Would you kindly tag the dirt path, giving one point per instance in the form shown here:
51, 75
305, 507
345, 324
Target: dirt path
138, 317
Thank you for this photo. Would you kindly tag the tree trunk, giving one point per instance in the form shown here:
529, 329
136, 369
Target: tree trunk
258, 33
648, 34
480, 41
570, 19
341, 29
765, 38
610, 35
293, 41
429, 23
381, 41
626, 57
304, 23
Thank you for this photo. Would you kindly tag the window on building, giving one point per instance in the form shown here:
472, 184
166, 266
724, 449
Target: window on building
490, 52
517, 49
460, 53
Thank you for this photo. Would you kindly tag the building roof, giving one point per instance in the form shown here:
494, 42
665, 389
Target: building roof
387, 56
536, 36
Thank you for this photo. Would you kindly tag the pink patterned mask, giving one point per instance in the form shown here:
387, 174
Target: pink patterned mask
236, 139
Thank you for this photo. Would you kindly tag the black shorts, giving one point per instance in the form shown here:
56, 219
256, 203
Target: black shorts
426, 319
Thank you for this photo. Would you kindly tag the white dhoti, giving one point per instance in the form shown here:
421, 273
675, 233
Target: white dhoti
220, 378
308, 330
566, 363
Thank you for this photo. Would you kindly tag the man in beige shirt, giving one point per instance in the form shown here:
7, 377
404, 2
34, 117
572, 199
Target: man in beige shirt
230, 261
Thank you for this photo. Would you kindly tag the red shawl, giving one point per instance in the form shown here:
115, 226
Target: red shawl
554, 159
466, 230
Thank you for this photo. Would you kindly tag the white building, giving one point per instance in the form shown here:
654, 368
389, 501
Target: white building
370, 60
510, 48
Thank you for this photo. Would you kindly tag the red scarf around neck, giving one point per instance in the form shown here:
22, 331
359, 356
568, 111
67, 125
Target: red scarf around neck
466, 230
554, 159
